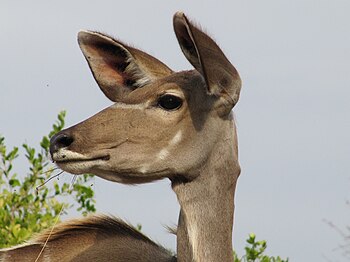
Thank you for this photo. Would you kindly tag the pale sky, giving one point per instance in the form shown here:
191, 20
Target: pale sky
293, 115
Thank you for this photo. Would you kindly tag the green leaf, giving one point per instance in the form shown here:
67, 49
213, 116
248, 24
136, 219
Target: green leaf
57, 189
45, 143
14, 182
13, 154
251, 239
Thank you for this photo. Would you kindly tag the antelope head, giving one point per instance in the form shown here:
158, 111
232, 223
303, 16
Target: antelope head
163, 124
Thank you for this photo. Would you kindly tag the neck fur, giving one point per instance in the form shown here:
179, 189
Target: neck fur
207, 205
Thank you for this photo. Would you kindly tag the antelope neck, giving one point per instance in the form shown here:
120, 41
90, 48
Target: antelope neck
207, 205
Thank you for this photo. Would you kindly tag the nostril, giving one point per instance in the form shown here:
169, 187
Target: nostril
60, 140
64, 140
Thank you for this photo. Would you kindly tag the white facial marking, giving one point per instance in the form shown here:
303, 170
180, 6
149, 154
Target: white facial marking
141, 106
144, 169
74, 162
176, 139
64, 154
80, 167
164, 153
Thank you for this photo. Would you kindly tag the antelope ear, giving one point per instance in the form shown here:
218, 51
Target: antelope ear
204, 54
117, 68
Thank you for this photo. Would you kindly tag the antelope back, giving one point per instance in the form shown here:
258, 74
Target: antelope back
162, 123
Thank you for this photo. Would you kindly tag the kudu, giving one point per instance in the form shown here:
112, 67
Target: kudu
163, 124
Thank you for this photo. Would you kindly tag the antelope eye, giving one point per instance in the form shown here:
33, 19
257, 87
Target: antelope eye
169, 102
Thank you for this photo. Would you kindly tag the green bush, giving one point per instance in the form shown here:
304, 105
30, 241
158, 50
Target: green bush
255, 252
26, 208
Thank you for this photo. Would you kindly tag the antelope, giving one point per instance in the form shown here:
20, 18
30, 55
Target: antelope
163, 124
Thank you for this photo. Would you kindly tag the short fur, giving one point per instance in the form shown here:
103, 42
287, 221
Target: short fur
123, 243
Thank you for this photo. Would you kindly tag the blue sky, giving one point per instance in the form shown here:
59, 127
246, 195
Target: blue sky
293, 115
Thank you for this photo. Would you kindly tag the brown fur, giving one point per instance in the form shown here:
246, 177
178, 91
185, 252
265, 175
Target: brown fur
102, 225
123, 243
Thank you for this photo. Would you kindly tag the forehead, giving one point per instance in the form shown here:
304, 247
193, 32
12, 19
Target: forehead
186, 83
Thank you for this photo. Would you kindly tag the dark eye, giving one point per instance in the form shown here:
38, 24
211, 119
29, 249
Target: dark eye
169, 102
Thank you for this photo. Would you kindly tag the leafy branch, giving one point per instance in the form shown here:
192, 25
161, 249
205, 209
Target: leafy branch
25, 210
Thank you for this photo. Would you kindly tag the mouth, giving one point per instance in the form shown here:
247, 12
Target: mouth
64, 159
76, 163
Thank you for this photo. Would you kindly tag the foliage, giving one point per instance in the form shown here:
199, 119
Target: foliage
254, 252
25, 210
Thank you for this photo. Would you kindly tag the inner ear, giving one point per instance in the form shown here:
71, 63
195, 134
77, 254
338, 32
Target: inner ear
186, 41
205, 55
117, 68
117, 59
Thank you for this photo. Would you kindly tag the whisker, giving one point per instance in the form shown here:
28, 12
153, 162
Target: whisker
74, 179
49, 171
41, 185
